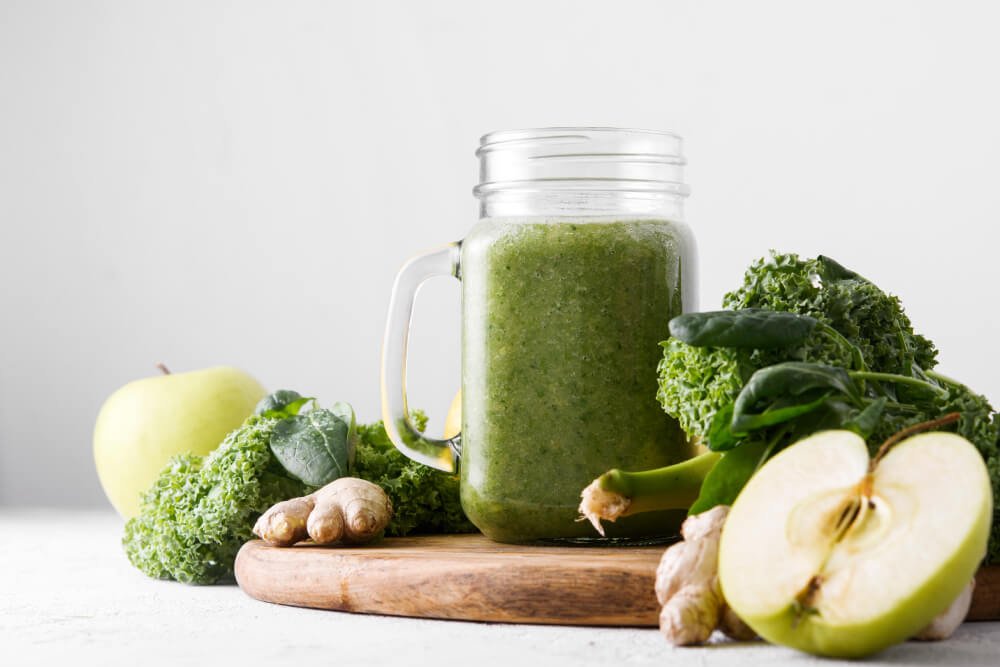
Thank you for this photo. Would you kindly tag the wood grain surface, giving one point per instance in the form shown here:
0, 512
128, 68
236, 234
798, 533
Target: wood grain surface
469, 577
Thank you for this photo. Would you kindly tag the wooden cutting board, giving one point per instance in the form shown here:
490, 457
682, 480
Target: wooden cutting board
471, 578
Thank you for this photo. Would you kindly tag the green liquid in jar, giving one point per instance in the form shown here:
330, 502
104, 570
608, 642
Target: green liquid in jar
562, 323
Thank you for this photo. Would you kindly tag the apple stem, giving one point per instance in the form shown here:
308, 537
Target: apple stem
949, 418
163, 368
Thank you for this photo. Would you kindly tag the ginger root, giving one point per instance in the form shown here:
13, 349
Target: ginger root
687, 584
350, 510
945, 623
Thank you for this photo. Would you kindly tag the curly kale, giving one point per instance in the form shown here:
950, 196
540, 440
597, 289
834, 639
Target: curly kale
861, 367
977, 423
993, 550
425, 500
695, 382
980, 426
851, 304
201, 510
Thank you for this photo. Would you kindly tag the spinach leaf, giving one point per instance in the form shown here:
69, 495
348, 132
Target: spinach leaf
313, 447
779, 412
750, 328
784, 391
725, 481
720, 434
866, 421
834, 413
282, 403
346, 413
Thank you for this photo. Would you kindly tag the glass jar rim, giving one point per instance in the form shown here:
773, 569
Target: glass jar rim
490, 140
581, 158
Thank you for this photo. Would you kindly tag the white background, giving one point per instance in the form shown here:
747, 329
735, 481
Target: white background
237, 182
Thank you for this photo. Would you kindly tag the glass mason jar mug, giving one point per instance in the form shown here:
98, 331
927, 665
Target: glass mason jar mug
579, 261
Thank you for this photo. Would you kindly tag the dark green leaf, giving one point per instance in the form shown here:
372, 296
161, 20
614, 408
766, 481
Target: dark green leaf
282, 403
313, 447
346, 412
834, 270
725, 481
720, 436
750, 328
786, 391
868, 317
782, 411
833, 413
865, 422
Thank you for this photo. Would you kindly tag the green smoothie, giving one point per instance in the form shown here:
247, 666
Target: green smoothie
561, 329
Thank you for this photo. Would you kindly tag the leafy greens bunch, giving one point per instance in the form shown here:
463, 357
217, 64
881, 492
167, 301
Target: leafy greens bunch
201, 510
806, 346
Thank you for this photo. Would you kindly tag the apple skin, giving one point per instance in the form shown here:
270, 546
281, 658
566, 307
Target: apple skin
873, 635
842, 638
146, 422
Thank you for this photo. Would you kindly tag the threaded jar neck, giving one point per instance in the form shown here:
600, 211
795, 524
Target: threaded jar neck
580, 170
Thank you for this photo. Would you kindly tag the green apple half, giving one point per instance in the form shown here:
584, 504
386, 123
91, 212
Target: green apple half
829, 554
146, 422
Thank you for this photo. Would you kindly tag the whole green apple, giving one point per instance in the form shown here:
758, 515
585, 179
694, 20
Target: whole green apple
146, 422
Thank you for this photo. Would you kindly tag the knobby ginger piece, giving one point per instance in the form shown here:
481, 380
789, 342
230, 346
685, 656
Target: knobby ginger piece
285, 523
945, 623
733, 626
687, 585
687, 582
348, 509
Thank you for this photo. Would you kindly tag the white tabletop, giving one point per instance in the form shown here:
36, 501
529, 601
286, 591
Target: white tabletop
69, 596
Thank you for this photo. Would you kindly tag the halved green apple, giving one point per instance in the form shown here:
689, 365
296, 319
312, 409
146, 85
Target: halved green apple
831, 554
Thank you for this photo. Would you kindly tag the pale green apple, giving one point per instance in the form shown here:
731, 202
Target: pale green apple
148, 421
828, 554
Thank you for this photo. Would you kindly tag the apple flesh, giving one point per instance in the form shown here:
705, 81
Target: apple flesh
829, 554
146, 422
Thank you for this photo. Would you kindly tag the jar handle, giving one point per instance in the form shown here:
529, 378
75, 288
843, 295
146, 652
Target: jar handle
440, 454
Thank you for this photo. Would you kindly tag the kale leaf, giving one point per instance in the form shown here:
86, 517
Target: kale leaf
424, 500
851, 304
200, 510
748, 389
696, 382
